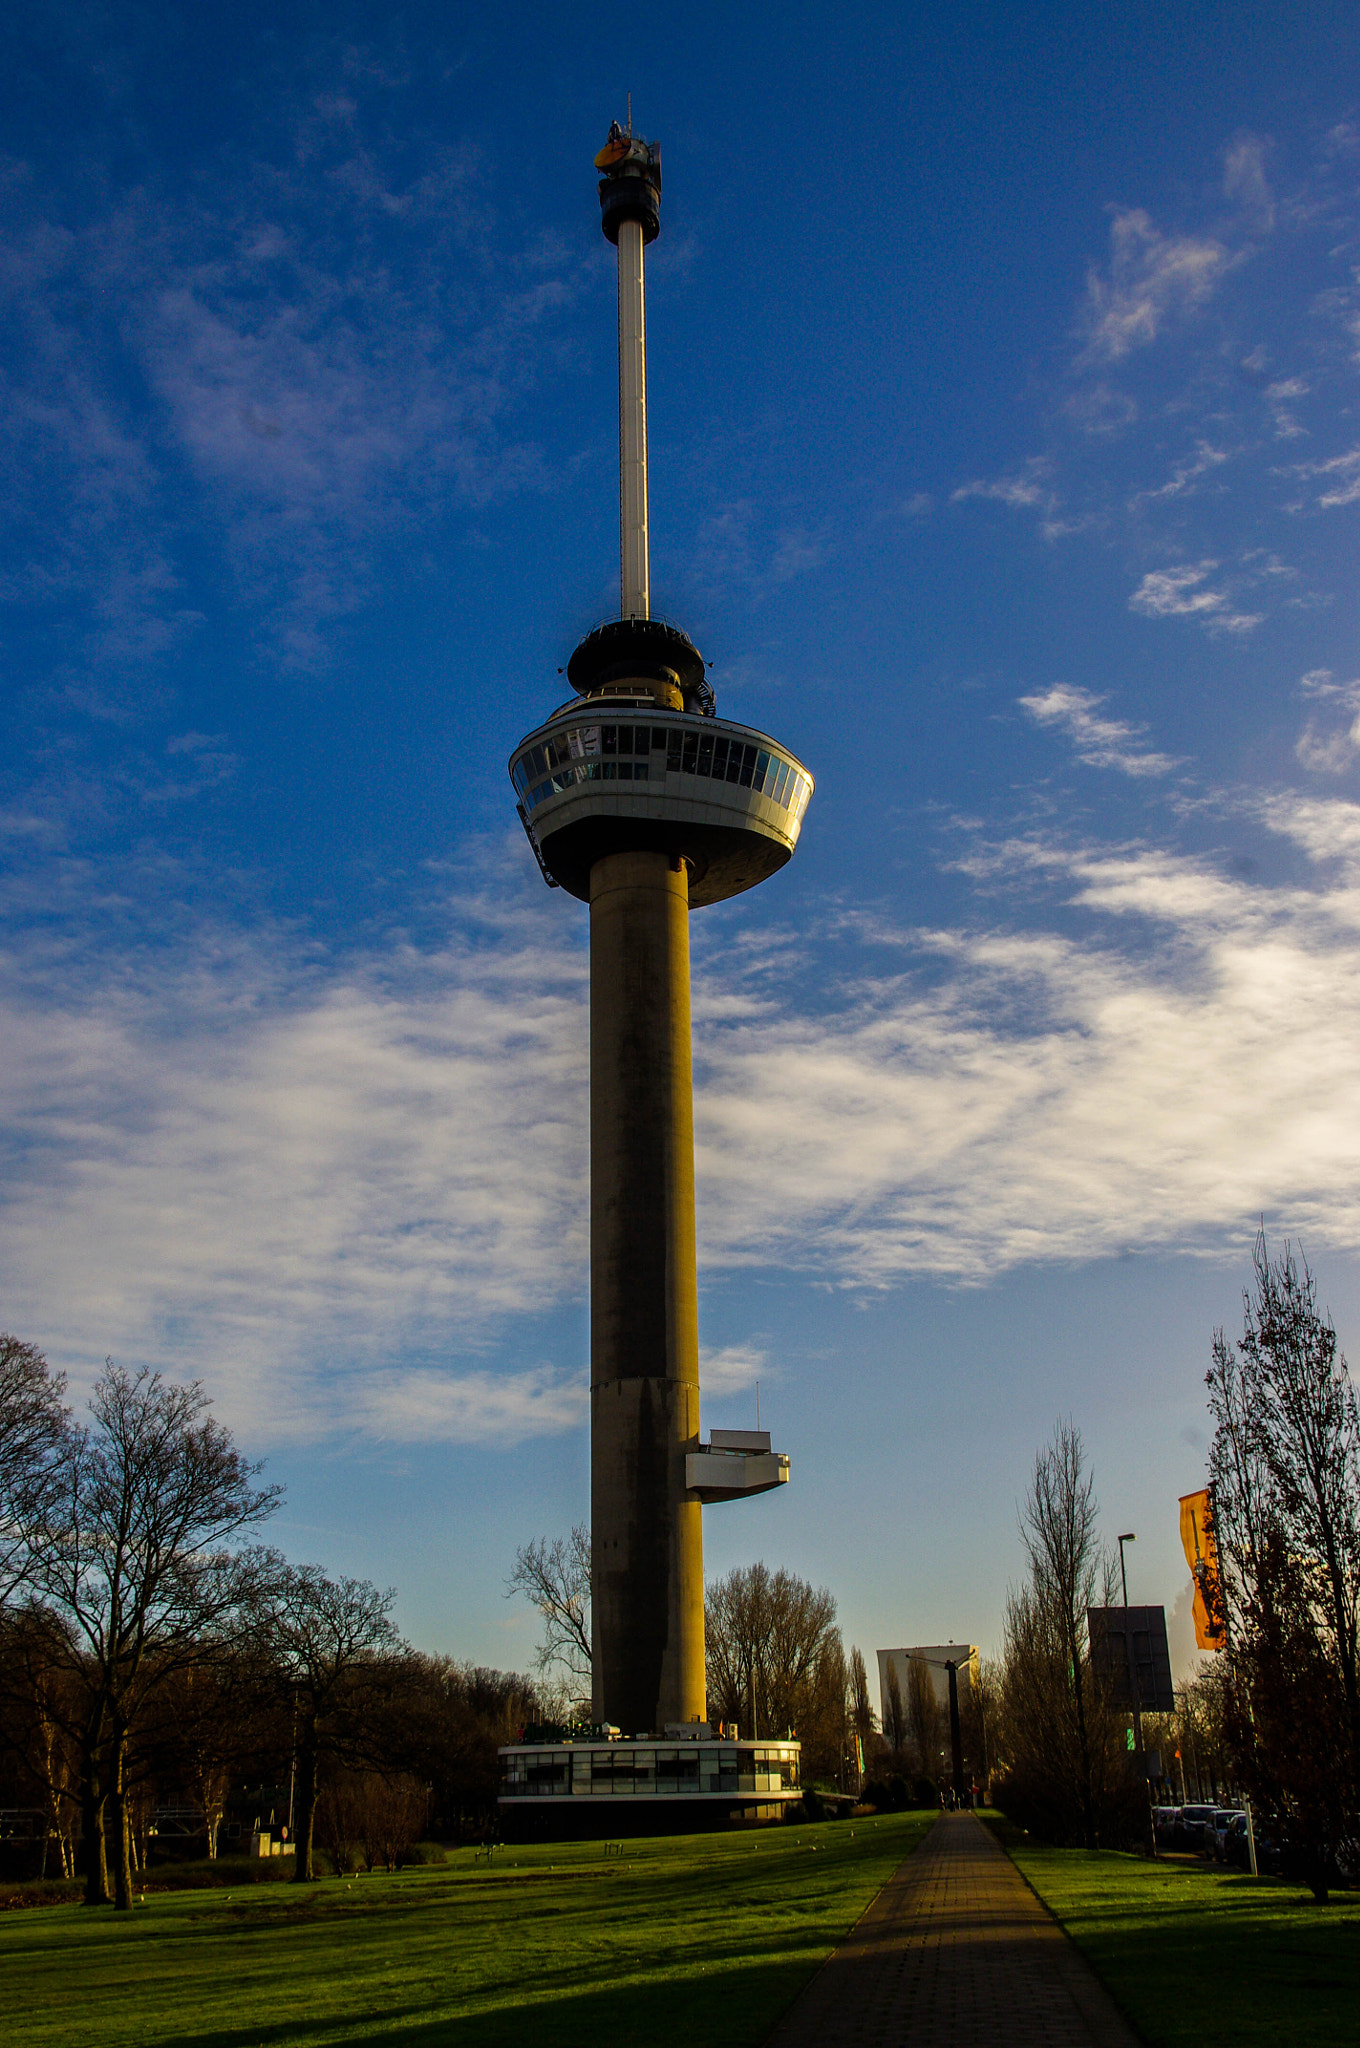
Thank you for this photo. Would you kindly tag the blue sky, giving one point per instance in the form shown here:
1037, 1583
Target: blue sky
1005, 366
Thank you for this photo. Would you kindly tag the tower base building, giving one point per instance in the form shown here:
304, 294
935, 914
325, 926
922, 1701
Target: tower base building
681, 1782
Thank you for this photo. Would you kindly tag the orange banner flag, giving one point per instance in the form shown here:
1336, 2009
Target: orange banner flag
1201, 1554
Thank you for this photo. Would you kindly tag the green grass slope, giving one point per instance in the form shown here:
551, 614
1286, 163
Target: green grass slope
679, 1940
1196, 1955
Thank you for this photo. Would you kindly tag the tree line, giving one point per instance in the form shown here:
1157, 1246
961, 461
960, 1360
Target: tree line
155, 1654
1284, 1492
777, 1663
1274, 1713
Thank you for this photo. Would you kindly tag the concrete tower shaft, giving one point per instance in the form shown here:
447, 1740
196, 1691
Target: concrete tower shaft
646, 1540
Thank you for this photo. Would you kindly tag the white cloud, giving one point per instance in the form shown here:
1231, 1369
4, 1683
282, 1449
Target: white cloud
1186, 593
318, 351
1046, 1097
335, 1189
1151, 278
221, 1158
429, 1405
1186, 474
732, 1369
1023, 491
1245, 181
1326, 746
1343, 474
796, 554
1326, 752
1327, 829
1281, 396
1099, 742
1028, 490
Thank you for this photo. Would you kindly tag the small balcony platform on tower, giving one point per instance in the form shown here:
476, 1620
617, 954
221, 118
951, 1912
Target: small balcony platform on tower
735, 1463
599, 1783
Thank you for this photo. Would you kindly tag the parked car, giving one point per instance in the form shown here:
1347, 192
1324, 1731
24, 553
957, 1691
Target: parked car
1165, 1820
1190, 1831
1215, 1833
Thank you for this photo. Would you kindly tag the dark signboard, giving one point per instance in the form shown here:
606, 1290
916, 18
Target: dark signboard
1128, 1648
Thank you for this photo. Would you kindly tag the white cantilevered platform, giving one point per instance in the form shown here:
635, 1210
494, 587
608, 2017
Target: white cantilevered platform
735, 1463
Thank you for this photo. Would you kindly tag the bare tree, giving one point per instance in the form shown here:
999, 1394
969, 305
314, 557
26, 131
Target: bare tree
978, 1714
39, 1704
1284, 1471
33, 1429
1046, 1621
131, 1553
895, 1716
861, 1707
217, 1717
765, 1635
371, 1816
824, 1721
554, 1577
925, 1720
333, 1647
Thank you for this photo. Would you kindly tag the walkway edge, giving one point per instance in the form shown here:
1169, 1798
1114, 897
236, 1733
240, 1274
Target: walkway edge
1096, 2002
851, 1931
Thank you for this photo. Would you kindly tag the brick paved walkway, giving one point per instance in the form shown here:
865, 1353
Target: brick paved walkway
955, 1952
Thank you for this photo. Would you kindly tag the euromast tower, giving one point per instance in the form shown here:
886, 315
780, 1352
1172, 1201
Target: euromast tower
640, 801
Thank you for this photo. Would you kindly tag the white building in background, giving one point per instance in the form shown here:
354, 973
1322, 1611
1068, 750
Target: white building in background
936, 1657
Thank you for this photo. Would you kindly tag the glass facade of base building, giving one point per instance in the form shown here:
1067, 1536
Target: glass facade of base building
735, 1772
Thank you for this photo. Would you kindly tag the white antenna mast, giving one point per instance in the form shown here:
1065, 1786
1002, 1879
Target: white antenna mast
634, 566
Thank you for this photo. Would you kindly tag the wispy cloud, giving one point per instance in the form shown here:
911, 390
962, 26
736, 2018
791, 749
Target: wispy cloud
295, 352
1330, 739
221, 1156
1342, 473
1025, 490
433, 1405
1099, 742
1282, 396
1245, 182
1186, 474
1151, 278
334, 1188
1186, 592
1029, 489
735, 545
1051, 1097
732, 1369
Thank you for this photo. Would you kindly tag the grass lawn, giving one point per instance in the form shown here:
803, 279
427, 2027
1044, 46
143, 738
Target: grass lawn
1197, 1955
680, 1940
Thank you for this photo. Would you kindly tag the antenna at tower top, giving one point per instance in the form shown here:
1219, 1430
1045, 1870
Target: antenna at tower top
630, 214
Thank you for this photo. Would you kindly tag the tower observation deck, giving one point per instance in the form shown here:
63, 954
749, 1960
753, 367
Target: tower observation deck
639, 800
